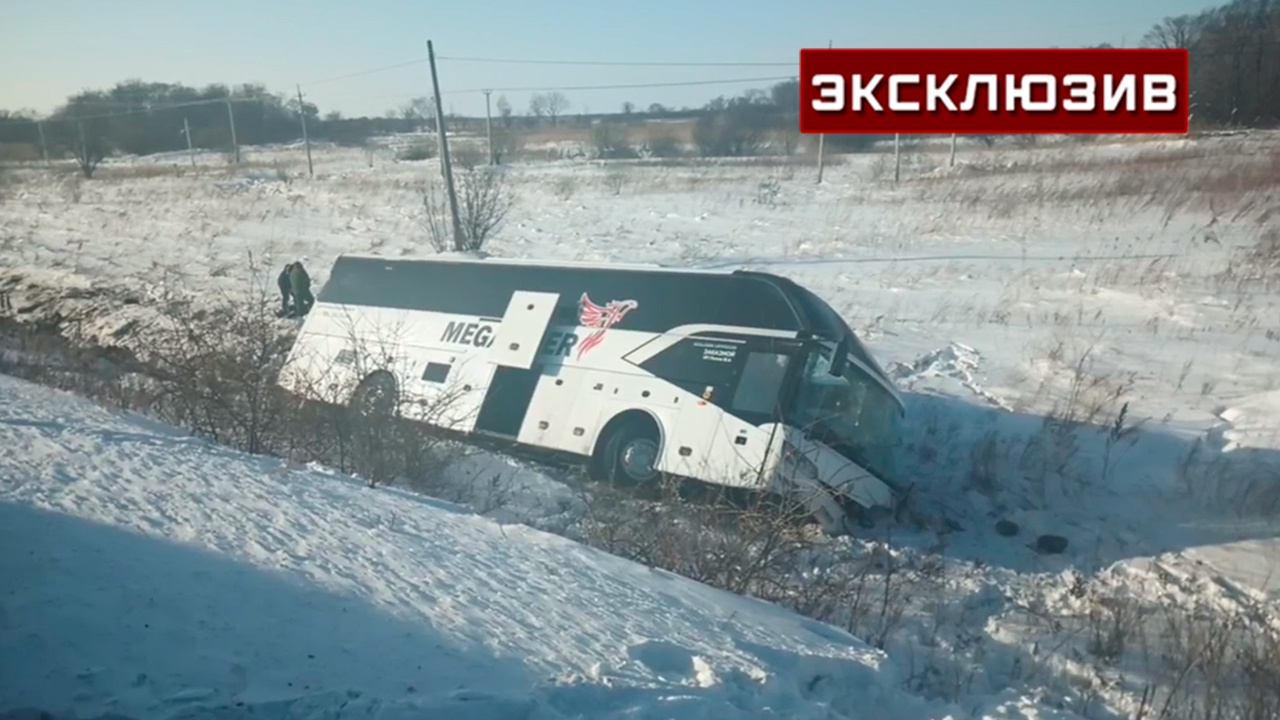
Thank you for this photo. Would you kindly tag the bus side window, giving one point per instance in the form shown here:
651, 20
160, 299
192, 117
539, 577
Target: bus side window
761, 380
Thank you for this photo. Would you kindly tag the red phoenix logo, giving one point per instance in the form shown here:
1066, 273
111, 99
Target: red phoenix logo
601, 317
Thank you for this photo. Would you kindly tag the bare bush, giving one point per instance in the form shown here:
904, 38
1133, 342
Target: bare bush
484, 199
615, 180
89, 149
662, 146
729, 134
1195, 653
1258, 263
417, 151
213, 369
564, 187
610, 142
760, 545
1231, 179
725, 539
468, 157
507, 144
216, 365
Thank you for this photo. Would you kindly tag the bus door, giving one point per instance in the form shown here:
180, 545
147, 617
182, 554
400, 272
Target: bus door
510, 367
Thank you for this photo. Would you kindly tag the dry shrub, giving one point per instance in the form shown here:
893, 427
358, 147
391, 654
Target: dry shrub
484, 199
1202, 661
212, 368
728, 539
661, 146
764, 546
633, 134
468, 157
507, 145
615, 180
422, 150
1234, 179
1258, 264
1153, 645
145, 172
564, 187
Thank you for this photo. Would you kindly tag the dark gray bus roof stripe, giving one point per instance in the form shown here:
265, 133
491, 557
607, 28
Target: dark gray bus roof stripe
482, 289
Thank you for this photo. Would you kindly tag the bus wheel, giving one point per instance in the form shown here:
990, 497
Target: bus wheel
375, 395
630, 454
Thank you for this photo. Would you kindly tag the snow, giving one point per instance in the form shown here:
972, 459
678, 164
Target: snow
1018, 288
147, 573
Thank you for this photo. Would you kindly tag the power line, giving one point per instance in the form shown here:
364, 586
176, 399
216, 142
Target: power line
684, 83
630, 86
517, 61
618, 63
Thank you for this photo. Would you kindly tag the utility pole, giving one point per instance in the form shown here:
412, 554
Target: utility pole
44, 149
445, 165
306, 140
235, 145
191, 151
822, 142
488, 125
952, 162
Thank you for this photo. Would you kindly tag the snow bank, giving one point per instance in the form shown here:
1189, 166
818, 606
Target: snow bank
156, 576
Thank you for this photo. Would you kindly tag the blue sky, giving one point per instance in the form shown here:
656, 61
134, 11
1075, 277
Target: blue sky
52, 48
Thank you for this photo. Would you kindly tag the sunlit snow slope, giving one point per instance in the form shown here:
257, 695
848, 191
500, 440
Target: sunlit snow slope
152, 575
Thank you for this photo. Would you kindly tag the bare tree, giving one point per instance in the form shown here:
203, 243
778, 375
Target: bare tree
1172, 32
417, 111
628, 107
557, 104
538, 105
89, 147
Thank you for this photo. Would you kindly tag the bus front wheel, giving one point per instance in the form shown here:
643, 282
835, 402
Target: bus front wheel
629, 453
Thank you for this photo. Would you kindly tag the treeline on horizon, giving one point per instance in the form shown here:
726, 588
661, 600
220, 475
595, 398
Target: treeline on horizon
1234, 69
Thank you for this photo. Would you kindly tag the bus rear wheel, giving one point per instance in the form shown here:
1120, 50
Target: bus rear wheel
375, 396
629, 454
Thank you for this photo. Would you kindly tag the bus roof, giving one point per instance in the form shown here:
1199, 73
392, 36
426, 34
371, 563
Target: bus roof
535, 262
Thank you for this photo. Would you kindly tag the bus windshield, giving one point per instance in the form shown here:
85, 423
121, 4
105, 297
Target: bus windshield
853, 414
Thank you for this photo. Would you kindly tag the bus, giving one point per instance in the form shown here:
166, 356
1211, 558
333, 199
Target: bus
733, 378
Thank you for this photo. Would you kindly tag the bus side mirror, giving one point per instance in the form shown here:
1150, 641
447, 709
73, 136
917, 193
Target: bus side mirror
840, 358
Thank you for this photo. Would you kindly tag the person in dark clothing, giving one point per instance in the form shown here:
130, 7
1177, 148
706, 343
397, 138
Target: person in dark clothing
300, 285
286, 291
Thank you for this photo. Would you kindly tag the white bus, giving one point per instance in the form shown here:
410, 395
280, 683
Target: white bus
739, 378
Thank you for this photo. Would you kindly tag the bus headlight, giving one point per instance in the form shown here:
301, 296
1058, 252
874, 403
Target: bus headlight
792, 458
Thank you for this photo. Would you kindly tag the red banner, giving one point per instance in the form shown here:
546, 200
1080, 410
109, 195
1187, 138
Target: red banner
990, 92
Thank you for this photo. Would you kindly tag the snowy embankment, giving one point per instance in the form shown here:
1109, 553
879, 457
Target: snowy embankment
150, 574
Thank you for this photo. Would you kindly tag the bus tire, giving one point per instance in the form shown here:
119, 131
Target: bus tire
628, 453
375, 396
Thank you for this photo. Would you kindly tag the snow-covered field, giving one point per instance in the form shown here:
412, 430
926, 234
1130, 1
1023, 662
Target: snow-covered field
1022, 289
